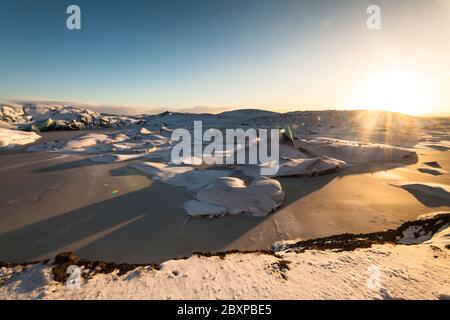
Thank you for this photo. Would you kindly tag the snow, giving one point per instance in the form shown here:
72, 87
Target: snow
197, 208
180, 176
79, 116
229, 119
414, 235
441, 238
356, 152
11, 138
161, 171
380, 272
90, 139
258, 199
127, 141
299, 167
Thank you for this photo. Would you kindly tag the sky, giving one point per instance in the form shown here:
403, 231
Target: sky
196, 55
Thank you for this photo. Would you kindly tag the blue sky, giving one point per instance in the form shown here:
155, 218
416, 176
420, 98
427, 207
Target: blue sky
250, 53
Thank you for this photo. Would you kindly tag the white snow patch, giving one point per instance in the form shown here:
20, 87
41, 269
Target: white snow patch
197, 208
259, 198
414, 235
11, 138
356, 152
441, 237
180, 176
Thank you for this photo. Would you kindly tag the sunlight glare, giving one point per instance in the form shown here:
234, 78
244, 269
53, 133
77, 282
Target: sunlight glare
397, 91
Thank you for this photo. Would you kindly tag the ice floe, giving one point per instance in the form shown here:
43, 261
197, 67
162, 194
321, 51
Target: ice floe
180, 176
356, 152
197, 208
231, 195
299, 167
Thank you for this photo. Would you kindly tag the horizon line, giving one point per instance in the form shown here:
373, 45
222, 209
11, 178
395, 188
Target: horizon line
197, 109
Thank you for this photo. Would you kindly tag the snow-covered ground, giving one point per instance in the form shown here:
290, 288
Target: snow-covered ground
412, 264
10, 138
392, 270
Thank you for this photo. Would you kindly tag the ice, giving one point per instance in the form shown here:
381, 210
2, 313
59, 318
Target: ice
180, 176
197, 208
10, 138
356, 152
258, 199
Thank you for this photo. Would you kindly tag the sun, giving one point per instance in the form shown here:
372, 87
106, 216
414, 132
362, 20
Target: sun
397, 91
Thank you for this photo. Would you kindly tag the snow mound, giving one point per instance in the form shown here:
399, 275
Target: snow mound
356, 152
180, 176
11, 138
232, 196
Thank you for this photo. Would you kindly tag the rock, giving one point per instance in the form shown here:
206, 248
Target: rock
66, 257
62, 262
104, 122
60, 272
